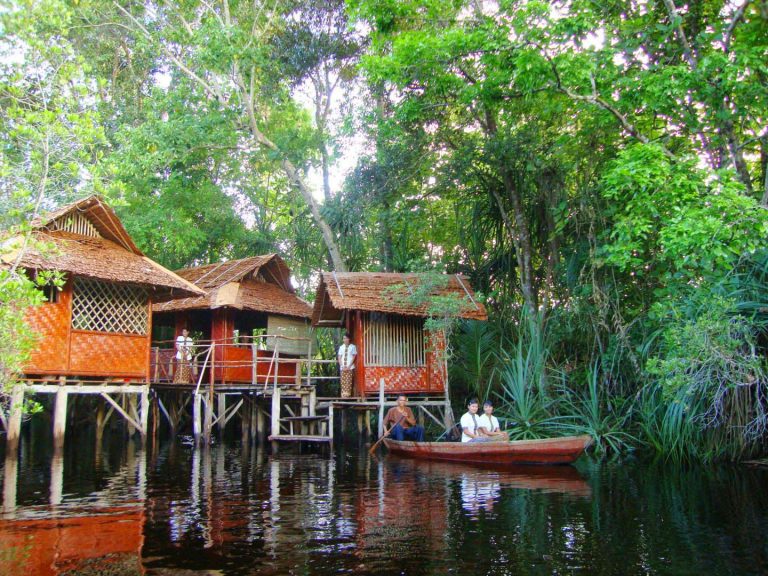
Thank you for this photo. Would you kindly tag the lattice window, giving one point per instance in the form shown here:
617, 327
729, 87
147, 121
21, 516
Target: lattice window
393, 340
106, 307
77, 224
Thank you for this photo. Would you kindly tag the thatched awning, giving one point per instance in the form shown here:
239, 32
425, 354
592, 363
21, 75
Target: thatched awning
100, 259
257, 284
86, 238
389, 293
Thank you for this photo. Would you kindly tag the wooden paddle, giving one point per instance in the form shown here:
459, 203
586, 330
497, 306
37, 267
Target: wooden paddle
387, 433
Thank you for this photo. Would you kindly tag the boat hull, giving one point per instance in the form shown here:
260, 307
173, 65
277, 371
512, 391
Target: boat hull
564, 450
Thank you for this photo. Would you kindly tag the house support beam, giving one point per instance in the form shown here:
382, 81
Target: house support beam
13, 432
60, 417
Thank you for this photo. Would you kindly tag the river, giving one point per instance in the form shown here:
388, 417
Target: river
176, 510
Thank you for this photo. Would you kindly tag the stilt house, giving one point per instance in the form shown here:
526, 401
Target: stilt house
388, 327
251, 317
98, 326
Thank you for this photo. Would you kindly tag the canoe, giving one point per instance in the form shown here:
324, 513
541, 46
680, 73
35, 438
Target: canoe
563, 450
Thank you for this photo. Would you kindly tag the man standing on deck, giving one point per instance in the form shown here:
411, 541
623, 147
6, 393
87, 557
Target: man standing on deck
489, 424
403, 422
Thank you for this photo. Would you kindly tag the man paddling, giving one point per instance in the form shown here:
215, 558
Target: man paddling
403, 422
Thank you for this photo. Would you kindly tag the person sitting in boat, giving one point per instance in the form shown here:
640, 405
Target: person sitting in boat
489, 424
470, 424
402, 422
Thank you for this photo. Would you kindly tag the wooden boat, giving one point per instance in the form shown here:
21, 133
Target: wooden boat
563, 450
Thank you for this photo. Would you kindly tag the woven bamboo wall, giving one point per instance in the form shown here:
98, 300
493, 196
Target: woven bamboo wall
62, 351
51, 323
399, 379
98, 354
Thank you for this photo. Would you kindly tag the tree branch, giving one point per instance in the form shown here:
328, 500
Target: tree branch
676, 19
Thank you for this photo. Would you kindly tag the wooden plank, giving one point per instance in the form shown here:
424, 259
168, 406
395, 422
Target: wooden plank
297, 438
122, 412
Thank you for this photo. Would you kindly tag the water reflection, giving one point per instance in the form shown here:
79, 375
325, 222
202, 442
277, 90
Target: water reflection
227, 510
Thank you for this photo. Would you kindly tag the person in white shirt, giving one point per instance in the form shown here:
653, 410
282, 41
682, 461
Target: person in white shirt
346, 358
489, 424
470, 424
184, 343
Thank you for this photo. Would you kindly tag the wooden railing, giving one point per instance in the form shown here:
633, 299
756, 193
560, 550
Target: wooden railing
246, 361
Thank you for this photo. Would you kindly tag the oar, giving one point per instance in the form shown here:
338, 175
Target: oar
387, 433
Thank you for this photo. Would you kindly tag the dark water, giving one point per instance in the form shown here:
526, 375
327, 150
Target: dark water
229, 510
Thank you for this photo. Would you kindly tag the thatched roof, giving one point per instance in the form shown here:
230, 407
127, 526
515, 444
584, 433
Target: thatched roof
387, 292
258, 284
100, 249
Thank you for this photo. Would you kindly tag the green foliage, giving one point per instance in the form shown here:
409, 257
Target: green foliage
664, 214
596, 412
17, 292
708, 367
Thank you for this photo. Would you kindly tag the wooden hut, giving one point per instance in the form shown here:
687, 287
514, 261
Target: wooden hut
388, 326
98, 326
243, 297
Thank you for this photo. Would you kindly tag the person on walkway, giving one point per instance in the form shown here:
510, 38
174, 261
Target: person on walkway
184, 343
402, 422
470, 424
346, 358
489, 424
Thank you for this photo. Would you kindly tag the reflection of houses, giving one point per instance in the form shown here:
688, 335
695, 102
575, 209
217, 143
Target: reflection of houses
98, 326
104, 542
388, 325
245, 299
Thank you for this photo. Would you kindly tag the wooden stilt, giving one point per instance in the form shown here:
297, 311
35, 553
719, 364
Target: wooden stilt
197, 418
144, 414
254, 420
132, 409
101, 414
368, 424
14, 420
208, 425
260, 424
275, 415
381, 408
221, 410
57, 477
60, 417
10, 482
359, 423
245, 421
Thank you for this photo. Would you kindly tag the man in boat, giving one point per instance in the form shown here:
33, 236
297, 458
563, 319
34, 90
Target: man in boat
402, 422
470, 424
489, 424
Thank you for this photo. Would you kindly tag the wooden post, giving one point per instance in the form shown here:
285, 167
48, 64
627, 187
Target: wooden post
14, 419
208, 424
330, 421
157, 365
368, 424
196, 418
359, 423
260, 423
100, 421
57, 477
222, 409
312, 401
275, 428
60, 417
144, 414
245, 421
132, 407
10, 482
381, 407
254, 420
